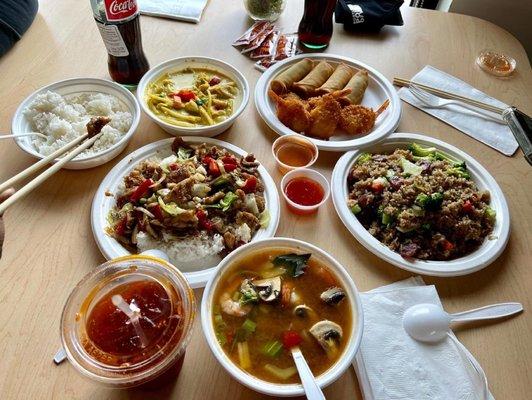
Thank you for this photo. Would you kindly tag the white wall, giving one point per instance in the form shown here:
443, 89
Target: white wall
513, 15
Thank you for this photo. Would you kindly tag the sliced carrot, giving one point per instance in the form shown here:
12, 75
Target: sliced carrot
286, 292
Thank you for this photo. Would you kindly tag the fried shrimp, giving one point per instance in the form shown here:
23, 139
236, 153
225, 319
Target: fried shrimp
356, 119
291, 111
325, 114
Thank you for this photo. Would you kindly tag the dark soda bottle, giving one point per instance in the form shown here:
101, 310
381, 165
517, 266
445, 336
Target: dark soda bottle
316, 26
119, 25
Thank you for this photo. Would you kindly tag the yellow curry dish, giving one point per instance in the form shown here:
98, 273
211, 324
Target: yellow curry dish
192, 97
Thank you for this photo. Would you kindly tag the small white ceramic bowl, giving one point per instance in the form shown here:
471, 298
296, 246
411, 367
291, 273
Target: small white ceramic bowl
491, 248
177, 64
21, 125
277, 389
310, 174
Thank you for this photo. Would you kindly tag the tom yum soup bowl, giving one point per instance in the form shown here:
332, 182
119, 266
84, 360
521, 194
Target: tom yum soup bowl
193, 96
275, 293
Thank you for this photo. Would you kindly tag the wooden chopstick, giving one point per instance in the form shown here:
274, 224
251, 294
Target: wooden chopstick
40, 164
46, 174
442, 93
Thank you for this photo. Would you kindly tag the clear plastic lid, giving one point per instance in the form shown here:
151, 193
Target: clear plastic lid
128, 321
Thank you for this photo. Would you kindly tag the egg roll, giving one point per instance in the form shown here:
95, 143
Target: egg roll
282, 83
337, 80
358, 84
317, 77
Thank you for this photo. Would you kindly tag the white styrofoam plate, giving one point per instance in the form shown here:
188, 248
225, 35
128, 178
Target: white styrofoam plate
480, 258
67, 87
103, 203
379, 89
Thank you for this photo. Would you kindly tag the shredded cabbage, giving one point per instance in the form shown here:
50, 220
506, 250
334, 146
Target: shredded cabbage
171, 208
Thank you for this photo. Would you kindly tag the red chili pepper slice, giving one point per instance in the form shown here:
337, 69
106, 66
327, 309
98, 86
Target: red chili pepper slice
120, 228
229, 160
214, 169
141, 190
467, 207
291, 339
229, 167
447, 245
156, 210
250, 185
203, 221
184, 95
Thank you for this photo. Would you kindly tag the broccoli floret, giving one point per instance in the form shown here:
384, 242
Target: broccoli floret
461, 165
431, 202
459, 172
364, 157
445, 157
490, 213
422, 199
355, 209
420, 151
386, 219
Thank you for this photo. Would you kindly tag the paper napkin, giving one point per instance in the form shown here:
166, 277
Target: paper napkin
491, 133
183, 10
391, 365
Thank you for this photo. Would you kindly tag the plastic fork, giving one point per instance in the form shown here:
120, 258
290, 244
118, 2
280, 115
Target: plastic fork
437, 102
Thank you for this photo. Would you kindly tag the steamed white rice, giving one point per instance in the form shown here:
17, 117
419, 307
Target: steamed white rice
63, 119
187, 254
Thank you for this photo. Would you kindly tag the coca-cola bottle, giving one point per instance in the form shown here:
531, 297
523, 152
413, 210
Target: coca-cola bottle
119, 25
316, 26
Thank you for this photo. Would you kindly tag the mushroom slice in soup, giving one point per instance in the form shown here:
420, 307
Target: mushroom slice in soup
302, 310
268, 289
328, 334
333, 296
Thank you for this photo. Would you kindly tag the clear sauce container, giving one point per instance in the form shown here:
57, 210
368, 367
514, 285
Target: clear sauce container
128, 322
294, 151
495, 63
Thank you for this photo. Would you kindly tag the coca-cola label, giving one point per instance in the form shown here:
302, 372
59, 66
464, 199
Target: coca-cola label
118, 10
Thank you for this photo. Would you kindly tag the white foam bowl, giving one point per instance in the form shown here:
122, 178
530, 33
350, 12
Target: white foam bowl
475, 261
21, 125
177, 64
262, 386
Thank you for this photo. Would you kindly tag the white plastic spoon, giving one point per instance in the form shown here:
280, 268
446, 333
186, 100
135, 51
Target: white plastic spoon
312, 390
430, 323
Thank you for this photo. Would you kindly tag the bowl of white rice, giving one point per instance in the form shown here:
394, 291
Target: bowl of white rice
61, 111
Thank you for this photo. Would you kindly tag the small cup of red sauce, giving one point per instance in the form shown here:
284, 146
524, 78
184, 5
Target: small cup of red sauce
128, 322
294, 151
305, 190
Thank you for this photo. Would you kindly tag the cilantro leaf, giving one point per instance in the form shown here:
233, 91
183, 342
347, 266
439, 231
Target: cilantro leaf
296, 263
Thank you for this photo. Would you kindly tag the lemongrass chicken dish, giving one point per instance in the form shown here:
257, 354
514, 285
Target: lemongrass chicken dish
197, 204
193, 97
277, 298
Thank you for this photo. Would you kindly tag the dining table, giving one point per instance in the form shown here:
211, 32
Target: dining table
49, 245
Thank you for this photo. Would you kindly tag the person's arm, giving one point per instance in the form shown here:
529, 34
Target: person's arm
3, 197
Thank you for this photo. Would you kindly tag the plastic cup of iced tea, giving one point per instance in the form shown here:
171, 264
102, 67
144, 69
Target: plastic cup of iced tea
128, 322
